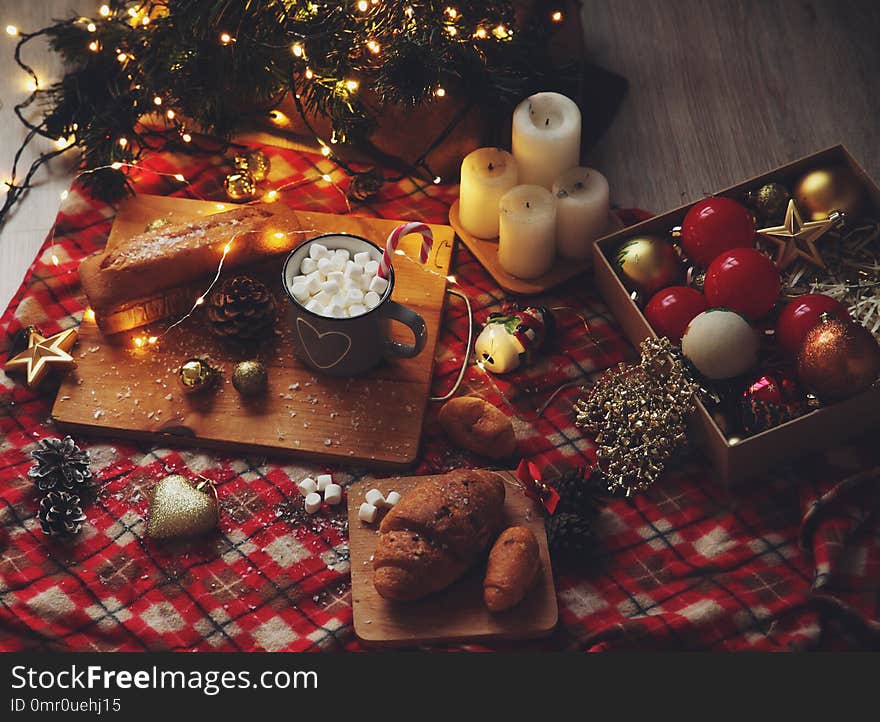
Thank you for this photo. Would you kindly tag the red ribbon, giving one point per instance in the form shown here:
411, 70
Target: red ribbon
535, 487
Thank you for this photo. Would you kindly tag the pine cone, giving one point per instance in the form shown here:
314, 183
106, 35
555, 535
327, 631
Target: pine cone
569, 536
366, 185
60, 465
579, 492
60, 514
242, 310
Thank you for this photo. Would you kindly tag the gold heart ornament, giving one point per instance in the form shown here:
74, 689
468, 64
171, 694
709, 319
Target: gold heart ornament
179, 509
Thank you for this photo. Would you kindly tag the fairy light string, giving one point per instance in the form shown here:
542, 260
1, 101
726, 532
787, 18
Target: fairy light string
143, 102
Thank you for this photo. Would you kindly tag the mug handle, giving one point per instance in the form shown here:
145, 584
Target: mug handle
416, 324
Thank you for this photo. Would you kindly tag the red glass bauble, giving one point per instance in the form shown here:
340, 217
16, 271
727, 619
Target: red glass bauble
743, 280
671, 310
715, 225
800, 316
769, 400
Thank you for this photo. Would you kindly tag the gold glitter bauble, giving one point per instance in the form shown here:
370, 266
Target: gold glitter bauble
824, 190
255, 162
250, 378
769, 201
195, 375
648, 263
179, 509
240, 186
838, 359
638, 416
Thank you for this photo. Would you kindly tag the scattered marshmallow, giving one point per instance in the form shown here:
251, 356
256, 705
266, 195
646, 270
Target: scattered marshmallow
307, 486
379, 285
367, 513
317, 250
309, 265
324, 480
371, 299
392, 498
375, 497
313, 503
333, 494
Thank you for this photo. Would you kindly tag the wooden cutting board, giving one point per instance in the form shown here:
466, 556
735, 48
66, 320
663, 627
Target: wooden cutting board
486, 252
456, 613
125, 392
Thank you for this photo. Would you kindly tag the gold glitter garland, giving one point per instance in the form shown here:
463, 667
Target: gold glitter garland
638, 415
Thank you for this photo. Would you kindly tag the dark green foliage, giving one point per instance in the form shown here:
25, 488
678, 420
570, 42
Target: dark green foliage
213, 87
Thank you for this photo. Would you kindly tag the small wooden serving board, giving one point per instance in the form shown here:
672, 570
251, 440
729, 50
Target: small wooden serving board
456, 613
125, 392
486, 252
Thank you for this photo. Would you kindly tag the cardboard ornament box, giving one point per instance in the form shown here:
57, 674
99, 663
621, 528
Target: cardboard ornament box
736, 460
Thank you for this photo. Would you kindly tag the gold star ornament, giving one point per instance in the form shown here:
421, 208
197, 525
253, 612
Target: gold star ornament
795, 239
42, 354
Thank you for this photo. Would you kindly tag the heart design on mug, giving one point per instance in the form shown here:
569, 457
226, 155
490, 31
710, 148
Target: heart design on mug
328, 345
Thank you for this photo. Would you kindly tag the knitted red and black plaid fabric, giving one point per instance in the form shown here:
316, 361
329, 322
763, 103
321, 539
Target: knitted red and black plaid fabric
792, 562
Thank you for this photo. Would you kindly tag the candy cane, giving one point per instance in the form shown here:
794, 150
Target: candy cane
394, 239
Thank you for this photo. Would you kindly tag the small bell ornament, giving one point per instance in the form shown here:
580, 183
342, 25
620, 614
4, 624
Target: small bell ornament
510, 339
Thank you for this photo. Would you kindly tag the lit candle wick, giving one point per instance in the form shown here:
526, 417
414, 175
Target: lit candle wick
491, 167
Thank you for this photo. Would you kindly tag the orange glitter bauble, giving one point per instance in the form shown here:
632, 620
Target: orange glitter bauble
838, 359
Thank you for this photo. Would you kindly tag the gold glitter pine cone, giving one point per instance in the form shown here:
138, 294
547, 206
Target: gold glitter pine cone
242, 310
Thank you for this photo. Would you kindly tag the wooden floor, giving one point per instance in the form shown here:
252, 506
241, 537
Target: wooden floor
720, 90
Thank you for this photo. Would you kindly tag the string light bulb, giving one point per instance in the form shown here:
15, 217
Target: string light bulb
91, 27
326, 178
351, 85
225, 38
157, 100
556, 17
89, 315
104, 11
440, 92
373, 46
309, 74
298, 50
123, 142
186, 138
363, 5
481, 33
325, 150
179, 177
94, 46
169, 114
33, 85
11, 30
122, 57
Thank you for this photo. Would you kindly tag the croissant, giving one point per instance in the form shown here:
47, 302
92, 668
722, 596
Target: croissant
439, 529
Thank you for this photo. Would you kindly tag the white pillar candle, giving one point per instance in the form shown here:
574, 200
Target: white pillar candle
546, 138
582, 207
486, 175
527, 239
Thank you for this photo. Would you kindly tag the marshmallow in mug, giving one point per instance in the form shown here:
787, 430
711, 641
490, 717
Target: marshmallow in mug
334, 284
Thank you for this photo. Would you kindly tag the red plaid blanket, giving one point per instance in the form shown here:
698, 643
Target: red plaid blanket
792, 562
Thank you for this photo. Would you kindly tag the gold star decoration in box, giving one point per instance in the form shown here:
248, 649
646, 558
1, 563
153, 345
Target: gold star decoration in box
42, 354
796, 239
